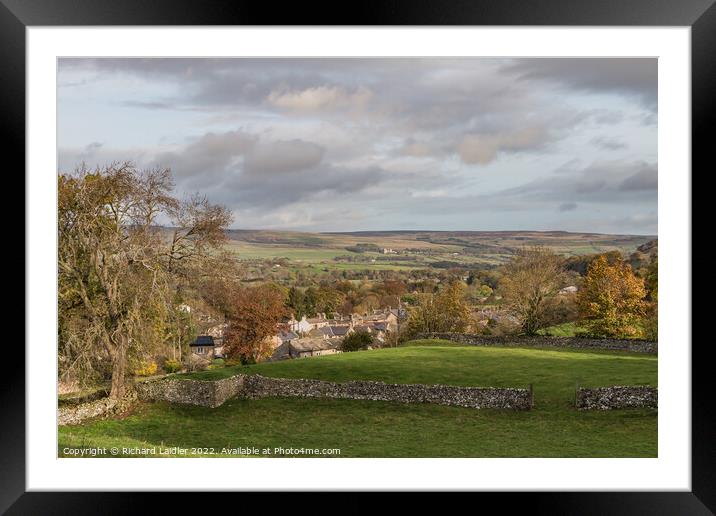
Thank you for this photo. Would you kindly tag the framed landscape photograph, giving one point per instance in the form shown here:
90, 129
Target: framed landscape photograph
397, 258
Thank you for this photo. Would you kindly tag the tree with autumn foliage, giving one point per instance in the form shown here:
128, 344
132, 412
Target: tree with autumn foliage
611, 300
528, 283
444, 312
651, 320
252, 316
116, 274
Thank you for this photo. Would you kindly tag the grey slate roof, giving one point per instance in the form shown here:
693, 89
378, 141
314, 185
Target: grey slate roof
339, 331
287, 335
203, 340
308, 344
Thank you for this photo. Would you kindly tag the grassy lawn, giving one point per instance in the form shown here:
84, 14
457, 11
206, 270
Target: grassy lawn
382, 429
569, 329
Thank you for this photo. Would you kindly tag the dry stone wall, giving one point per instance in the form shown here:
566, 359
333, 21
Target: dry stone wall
617, 397
215, 393
76, 414
206, 393
257, 386
471, 339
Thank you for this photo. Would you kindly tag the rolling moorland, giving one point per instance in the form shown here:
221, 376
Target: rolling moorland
323, 252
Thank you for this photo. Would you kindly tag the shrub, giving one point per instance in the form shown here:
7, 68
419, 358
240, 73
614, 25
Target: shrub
172, 366
357, 341
217, 363
146, 368
195, 363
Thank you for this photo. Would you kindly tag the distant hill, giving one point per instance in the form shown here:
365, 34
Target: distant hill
491, 245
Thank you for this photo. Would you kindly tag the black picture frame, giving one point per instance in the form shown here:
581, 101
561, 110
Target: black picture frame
700, 15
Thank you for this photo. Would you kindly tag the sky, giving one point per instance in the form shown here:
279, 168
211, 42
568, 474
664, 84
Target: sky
367, 144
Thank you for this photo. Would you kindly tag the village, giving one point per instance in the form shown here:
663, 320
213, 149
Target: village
307, 337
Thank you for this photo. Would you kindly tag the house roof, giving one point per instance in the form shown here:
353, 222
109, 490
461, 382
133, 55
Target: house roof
324, 331
203, 340
310, 344
339, 331
287, 335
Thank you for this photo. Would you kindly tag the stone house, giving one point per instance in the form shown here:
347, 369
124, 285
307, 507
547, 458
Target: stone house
341, 330
302, 326
312, 347
324, 332
319, 322
387, 318
203, 347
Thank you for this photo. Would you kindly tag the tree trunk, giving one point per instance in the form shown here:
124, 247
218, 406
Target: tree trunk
119, 369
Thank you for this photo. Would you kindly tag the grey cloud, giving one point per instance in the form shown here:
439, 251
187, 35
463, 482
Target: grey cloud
243, 170
146, 105
632, 76
418, 149
209, 158
443, 98
325, 182
98, 155
605, 181
321, 136
607, 143
647, 179
283, 156
639, 220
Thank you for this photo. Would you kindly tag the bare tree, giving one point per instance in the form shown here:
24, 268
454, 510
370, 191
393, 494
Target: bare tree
198, 227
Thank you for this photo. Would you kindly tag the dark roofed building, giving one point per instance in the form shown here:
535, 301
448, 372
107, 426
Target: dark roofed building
341, 331
323, 331
310, 347
203, 346
287, 336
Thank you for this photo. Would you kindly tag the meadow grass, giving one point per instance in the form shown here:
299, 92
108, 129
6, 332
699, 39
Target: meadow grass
384, 429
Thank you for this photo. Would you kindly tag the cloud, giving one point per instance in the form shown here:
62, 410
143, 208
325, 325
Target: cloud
606, 143
321, 98
97, 154
646, 179
146, 104
282, 156
607, 182
631, 76
327, 185
286, 141
568, 206
416, 149
209, 159
484, 148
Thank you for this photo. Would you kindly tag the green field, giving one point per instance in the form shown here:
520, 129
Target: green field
317, 251
382, 429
